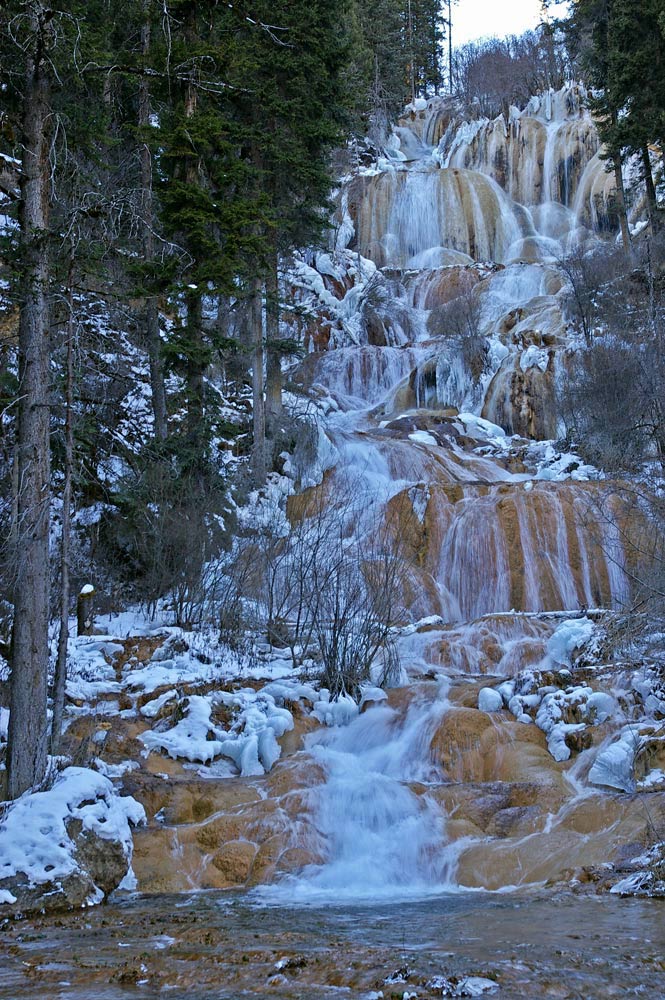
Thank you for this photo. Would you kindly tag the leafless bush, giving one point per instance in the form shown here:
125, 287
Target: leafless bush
332, 585
635, 514
168, 525
613, 397
357, 600
460, 320
594, 278
494, 73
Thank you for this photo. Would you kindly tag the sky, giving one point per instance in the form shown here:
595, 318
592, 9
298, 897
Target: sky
480, 18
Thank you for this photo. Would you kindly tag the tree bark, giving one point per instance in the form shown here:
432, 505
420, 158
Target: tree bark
151, 311
273, 353
196, 350
195, 375
28, 728
650, 190
255, 322
621, 201
60, 679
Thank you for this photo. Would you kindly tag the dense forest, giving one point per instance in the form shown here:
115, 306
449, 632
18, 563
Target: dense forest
162, 165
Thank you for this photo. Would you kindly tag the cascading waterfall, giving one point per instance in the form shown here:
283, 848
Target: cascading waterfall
485, 534
405, 213
377, 827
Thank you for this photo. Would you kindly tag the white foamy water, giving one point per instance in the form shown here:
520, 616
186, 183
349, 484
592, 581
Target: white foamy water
381, 833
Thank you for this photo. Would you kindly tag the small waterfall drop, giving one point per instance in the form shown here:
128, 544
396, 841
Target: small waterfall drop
379, 830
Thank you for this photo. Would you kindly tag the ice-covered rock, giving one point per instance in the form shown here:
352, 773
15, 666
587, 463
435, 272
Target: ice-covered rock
613, 767
489, 700
65, 847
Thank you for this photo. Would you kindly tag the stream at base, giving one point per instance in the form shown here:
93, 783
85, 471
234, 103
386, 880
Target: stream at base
218, 945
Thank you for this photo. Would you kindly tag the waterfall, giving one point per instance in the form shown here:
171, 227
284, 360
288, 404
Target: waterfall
377, 827
457, 340
405, 213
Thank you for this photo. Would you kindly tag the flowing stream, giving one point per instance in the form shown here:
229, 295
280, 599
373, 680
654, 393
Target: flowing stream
498, 535
209, 945
379, 830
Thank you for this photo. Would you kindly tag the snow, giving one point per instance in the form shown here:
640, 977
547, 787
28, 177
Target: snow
151, 709
654, 779
4, 724
422, 437
33, 833
335, 713
182, 669
90, 676
489, 700
87, 589
251, 742
613, 767
569, 636
116, 770
534, 357
189, 737
470, 986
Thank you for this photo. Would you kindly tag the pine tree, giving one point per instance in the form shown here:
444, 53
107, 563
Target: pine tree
29, 646
636, 58
590, 35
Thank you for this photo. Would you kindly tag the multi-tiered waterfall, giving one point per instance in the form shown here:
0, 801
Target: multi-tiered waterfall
438, 331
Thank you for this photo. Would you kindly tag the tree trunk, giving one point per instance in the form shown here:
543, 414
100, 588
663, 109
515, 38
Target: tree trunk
412, 65
621, 201
273, 353
652, 210
195, 375
85, 610
27, 752
60, 679
255, 322
196, 348
151, 312
450, 46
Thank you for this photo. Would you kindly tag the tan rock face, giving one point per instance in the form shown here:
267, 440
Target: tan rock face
588, 833
471, 746
523, 402
234, 861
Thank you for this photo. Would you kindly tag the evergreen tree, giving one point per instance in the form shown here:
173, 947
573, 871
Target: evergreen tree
636, 57
295, 106
43, 50
590, 33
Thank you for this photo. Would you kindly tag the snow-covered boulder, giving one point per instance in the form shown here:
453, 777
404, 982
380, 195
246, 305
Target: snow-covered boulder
489, 700
66, 847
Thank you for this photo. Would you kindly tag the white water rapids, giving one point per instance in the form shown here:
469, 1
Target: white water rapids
380, 831
499, 525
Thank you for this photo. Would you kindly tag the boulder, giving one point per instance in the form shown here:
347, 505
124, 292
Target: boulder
66, 847
489, 700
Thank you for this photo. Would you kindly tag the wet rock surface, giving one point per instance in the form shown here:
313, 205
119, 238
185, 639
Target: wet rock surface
216, 945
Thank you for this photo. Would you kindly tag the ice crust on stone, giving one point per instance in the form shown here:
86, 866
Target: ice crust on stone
33, 835
251, 742
613, 767
489, 700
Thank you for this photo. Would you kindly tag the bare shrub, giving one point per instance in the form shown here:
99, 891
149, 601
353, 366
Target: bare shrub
460, 321
357, 600
612, 400
594, 277
169, 522
331, 586
494, 73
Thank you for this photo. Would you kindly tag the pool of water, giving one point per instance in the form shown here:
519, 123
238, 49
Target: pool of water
216, 945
